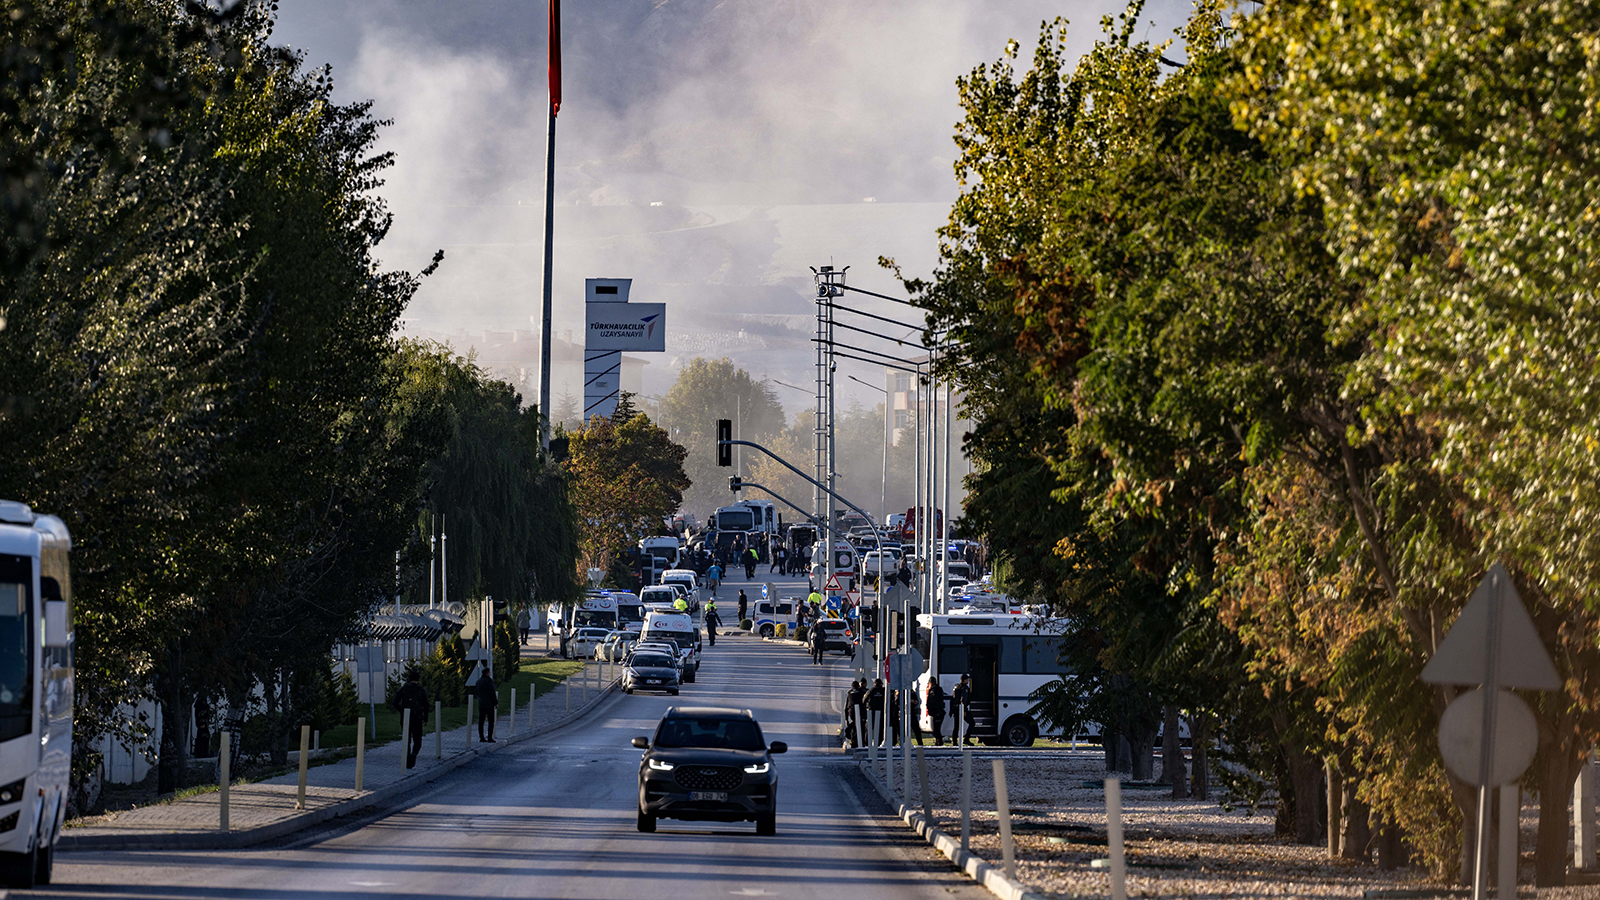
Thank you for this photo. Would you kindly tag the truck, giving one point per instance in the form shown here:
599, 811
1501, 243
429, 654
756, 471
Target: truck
36, 690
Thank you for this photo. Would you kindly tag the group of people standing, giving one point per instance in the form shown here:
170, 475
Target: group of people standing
864, 712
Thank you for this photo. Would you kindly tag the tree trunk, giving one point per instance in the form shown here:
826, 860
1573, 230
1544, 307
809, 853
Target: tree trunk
1306, 776
1335, 808
1356, 821
173, 762
1556, 775
1173, 770
1200, 779
1391, 847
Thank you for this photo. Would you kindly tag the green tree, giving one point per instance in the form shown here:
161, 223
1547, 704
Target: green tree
708, 390
626, 479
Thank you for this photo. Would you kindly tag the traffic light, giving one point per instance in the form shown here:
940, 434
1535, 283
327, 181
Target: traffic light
724, 449
869, 618
735, 483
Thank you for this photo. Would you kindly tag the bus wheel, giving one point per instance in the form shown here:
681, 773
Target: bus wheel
43, 862
1019, 732
21, 869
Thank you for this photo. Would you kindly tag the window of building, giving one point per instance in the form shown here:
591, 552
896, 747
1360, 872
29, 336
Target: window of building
902, 382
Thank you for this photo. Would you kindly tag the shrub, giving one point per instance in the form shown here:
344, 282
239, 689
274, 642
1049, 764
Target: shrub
507, 651
441, 675
800, 633
748, 624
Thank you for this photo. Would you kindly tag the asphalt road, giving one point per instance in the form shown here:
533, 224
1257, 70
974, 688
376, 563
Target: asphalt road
555, 818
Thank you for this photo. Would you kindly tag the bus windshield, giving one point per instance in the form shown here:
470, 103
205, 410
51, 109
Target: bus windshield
735, 520
16, 650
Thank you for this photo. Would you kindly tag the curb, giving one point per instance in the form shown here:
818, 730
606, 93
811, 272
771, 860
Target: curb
990, 876
231, 840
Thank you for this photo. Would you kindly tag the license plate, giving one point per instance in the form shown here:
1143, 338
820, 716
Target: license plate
719, 796
652, 681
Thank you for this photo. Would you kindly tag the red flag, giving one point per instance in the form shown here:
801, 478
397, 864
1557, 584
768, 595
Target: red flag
555, 56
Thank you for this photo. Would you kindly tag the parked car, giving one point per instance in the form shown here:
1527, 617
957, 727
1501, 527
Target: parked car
708, 764
583, 642
651, 670
616, 646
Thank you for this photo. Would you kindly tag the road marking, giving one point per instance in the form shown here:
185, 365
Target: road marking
753, 892
373, 883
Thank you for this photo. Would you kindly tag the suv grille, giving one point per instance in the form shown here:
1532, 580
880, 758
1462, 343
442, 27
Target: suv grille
710, 778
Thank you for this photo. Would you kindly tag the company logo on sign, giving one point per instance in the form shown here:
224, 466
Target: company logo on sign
626, 326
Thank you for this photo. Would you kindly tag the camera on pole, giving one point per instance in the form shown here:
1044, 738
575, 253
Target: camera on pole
724, 449
735, 483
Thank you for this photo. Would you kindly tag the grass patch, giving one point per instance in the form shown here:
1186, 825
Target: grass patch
542, 675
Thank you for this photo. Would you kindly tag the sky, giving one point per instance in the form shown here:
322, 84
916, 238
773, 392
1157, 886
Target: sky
711, 150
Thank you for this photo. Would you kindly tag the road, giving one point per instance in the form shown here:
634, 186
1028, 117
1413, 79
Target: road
554, 817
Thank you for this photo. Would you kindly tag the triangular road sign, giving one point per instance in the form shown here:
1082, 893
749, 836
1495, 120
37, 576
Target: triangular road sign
1522, 661
833, 586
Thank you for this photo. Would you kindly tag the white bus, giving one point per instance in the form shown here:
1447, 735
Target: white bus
36, 685
1008, 656
759, 516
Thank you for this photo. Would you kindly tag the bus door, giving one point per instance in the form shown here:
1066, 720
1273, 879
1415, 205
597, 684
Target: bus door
983, 664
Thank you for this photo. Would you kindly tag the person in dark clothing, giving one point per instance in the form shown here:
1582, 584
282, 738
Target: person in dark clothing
875, 708
853, 710
905, 574
414, 696
744, 603
961, 711
751, 557
488, 702
894, 717
936, 701
713, 622
777, 557
819, 643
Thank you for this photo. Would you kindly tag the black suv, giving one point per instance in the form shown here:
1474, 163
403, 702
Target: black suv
708, 764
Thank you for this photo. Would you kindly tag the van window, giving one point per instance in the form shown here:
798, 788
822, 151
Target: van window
785, 609
764, 608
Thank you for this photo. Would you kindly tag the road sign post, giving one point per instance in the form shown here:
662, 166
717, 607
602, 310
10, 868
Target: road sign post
1492, 644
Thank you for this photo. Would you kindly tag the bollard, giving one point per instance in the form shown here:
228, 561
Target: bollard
316, 740
223, 776
471, 701
1002, 807
305, 754
568, 682
361, 752
438, 729
1510, 810
966, 798
1119, 888
922, 779
405, 739
513, 723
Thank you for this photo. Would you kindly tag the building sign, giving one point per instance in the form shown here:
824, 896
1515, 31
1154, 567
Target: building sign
630, 327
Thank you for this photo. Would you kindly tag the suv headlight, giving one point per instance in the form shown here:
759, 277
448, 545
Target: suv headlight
760, 768
660, 766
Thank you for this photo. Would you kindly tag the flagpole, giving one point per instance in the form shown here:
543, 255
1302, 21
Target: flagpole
549, 222
549, 256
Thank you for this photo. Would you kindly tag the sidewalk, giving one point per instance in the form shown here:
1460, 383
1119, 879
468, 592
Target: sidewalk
266, 810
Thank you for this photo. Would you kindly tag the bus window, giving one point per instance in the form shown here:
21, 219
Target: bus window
924, 636
952, 655
1011, 655
16, 648
1043, 655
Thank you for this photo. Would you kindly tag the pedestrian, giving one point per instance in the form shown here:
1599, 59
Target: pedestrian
875, 709
712, 622
854, 710
414, 696
936, 701
488, 702
916, 716
777, 560
819, 643
744, 603
799, 616
894, 715
751, 558
961, 711
524, 624
714, 577
905, 574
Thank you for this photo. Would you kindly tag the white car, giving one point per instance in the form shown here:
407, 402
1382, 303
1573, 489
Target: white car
583, 642
877, 562
616, 645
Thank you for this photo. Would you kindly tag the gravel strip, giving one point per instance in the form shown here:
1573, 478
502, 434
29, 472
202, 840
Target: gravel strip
1175, 848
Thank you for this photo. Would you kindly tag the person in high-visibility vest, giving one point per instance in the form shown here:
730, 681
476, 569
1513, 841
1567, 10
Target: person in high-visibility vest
681, 605
815, 599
